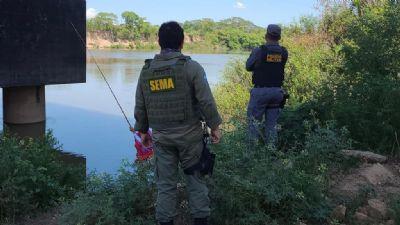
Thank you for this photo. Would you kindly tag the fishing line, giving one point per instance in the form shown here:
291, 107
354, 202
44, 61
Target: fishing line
102, 74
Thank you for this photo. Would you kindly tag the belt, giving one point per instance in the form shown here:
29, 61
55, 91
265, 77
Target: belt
266, 86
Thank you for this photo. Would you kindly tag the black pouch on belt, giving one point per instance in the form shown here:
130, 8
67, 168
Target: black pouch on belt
206, 164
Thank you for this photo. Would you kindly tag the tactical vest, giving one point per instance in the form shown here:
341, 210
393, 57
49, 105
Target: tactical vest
167, 94
269, 69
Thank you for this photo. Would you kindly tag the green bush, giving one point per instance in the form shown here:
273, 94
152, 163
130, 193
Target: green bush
32, 176
233, 93
250, 185
363, 93
310, 62
259, 185
125, 199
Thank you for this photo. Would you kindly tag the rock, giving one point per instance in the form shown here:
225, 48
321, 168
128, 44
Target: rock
377, 209
390, 222
361, 218
339, 213
390, 190
367, 156
349, 186
377, 174
363, 210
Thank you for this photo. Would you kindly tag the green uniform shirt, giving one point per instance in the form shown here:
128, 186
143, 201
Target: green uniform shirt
202, 96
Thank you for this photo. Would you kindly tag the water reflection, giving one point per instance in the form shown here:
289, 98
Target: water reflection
104, 139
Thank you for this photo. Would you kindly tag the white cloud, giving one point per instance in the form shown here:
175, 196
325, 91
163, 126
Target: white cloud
91, 13
239, 5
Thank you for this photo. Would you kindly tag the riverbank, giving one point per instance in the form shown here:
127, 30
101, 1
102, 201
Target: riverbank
359, 196
193, 44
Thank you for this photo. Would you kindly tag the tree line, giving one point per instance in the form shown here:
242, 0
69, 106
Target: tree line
229, 34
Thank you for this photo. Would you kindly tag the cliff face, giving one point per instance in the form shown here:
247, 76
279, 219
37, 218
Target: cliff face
104, 40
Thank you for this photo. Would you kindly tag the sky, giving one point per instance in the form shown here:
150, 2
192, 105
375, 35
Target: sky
260, 12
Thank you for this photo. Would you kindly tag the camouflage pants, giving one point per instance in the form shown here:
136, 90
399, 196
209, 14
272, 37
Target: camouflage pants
167, 159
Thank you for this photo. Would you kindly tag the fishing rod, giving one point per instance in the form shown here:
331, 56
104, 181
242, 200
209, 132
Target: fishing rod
102, 74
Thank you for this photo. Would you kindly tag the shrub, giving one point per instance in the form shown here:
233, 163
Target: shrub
250, 185
310, 62
32, 176
232, 95
125, 199
259, 185
363, 93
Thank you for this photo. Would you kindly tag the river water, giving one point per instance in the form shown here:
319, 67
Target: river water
87, 121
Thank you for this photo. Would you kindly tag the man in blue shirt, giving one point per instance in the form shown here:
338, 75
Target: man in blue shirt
267, 63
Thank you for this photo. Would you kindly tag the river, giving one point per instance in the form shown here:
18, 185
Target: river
87, 121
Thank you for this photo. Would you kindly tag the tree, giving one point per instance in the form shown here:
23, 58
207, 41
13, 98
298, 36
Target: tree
202, 26
133, 24
102, 22
309, 24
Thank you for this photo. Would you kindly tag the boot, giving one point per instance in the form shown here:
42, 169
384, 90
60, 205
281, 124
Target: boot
200, 221
167, 223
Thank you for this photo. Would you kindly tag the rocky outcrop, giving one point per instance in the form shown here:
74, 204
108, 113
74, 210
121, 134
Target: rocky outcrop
374, 175
380, 180
104, 40
377, 209
339, 213
365, 156
377, 174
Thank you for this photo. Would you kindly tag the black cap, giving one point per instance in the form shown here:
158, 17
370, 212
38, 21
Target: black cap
274, 30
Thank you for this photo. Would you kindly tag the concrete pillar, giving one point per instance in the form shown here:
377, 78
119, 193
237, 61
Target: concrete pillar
24, 110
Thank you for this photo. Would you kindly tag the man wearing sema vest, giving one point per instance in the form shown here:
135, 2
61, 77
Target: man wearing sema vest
267, 63
172, 96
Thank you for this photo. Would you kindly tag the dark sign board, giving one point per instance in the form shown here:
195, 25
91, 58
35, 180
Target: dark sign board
38, 42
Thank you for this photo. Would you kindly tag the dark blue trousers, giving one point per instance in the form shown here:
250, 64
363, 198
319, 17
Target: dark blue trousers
259, 114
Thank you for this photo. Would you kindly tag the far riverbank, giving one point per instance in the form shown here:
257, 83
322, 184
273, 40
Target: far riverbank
192, 45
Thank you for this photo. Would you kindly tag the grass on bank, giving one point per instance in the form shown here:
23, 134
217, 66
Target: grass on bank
32, 177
